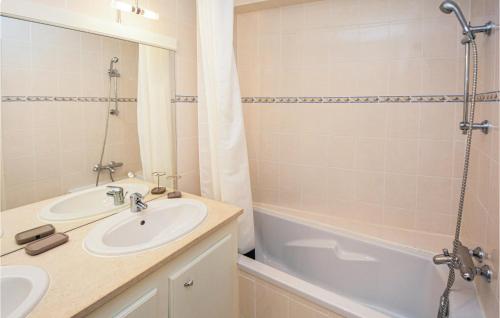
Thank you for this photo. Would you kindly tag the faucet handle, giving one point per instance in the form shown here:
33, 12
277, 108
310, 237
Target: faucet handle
135, 196
446, 252
478, 253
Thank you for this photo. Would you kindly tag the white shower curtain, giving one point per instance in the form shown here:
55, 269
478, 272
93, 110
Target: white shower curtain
154, 111
224, 170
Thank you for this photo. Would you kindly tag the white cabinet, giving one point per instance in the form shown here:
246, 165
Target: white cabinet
201, 282
204, 287
145, 306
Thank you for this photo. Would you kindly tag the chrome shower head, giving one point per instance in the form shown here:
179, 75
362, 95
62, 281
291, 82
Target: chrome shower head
113, 61
449, 6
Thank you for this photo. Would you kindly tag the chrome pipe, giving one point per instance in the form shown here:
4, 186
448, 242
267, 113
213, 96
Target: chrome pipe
466, 87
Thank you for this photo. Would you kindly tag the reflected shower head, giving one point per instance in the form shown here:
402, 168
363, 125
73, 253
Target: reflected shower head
112, 72
113, 61
449, 6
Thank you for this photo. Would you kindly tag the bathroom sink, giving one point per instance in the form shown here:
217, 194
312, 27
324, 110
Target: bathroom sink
87, 203
21, 288
162, 222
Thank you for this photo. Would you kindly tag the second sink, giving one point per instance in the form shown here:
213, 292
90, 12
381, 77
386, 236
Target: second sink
21, 288
162, 222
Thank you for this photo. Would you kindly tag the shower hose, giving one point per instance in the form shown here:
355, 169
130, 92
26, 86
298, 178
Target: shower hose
444, 303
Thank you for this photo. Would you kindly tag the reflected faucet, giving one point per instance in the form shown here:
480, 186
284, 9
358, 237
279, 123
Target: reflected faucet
117, 194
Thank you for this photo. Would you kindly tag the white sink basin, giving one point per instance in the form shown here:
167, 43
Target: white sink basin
162, 222
21, 288
88, 203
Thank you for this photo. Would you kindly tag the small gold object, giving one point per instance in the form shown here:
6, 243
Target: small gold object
158, 189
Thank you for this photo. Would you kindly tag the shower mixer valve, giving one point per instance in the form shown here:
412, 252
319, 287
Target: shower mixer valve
462, 260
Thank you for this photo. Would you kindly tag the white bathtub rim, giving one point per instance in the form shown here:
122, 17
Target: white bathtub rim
334, 302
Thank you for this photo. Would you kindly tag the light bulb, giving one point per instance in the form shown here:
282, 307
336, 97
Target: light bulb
126, 7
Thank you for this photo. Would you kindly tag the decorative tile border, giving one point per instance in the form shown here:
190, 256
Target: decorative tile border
186, 99
482, 97
65, 99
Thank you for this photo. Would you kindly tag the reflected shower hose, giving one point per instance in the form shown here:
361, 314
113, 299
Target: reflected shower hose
108, 113
444, 303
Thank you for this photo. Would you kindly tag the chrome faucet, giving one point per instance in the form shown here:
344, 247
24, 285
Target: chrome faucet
111, 167
117, 194
136, 203
462, 260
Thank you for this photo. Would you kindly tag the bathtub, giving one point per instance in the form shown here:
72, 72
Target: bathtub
350, 274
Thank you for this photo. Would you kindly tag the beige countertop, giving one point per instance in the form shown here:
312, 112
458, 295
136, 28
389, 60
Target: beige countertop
23, 218
81, 282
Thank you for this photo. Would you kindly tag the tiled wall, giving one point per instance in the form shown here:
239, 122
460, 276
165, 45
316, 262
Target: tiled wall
259, 299
396, 164
481, 222
49, 147
177, 19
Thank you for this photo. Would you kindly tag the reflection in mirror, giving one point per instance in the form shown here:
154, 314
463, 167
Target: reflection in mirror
71, 124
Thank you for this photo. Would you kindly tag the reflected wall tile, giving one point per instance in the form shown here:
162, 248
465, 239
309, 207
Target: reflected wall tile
14, 29
14, 81
292, 18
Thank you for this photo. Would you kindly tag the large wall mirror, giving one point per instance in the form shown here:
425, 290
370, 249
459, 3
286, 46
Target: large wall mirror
79, 111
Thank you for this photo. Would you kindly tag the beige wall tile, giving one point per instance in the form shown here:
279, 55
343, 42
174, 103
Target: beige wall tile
270, 302
435, 158
401, 156
246, 296
401, 191
301, 310
370, 154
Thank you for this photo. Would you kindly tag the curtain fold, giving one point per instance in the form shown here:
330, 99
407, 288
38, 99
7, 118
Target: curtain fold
154, 111
224, 168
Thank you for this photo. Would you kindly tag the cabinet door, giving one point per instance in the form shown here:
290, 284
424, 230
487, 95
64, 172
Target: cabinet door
204, 287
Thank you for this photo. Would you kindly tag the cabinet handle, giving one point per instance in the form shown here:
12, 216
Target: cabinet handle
189, 283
